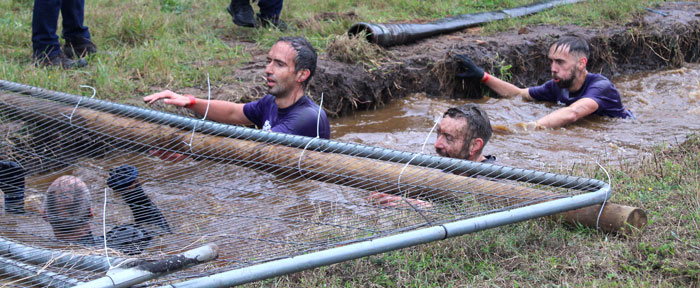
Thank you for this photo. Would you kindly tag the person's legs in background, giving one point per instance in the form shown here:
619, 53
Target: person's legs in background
270, 11
77, 35
46, 49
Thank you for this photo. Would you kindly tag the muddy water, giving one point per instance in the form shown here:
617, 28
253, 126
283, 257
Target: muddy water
666, 105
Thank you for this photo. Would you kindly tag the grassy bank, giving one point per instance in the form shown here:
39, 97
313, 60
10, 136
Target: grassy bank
151, 45
541, 252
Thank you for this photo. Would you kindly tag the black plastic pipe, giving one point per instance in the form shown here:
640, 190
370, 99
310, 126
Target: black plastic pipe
386, 35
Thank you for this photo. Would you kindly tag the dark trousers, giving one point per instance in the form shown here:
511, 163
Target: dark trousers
270, 9
45, 22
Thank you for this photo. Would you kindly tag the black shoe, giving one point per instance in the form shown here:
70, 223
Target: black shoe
274, 22
241, 13
79, 48
59, 60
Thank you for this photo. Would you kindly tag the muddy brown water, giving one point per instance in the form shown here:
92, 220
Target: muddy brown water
666, 105
235, 206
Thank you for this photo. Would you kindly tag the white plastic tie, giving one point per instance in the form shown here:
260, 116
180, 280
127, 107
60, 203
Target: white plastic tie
70, 118
318, 135
205, 114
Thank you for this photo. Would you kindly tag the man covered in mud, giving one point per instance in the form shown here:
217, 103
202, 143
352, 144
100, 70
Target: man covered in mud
462, 133
67, 208
291, 63
582, 92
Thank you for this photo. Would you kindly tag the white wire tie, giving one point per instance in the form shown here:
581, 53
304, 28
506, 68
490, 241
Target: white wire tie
70, 118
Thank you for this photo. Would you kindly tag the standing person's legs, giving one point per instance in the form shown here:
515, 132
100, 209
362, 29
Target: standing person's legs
270, 11
44, 22
76, 34
73, 12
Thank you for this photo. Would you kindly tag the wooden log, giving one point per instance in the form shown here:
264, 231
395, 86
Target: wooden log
293, 163
616, 218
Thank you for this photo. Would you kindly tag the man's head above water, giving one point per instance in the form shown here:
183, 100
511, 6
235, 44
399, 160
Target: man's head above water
291, 63
67, 208
463, 132
569, 56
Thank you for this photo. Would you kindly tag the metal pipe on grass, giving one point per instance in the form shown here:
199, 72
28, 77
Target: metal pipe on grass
395, 242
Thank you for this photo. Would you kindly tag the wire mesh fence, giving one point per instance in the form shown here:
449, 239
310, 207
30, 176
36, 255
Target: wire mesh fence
159, 184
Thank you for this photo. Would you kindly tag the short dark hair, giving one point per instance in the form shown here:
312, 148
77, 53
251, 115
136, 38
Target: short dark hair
478, 124
306, 55
575, 43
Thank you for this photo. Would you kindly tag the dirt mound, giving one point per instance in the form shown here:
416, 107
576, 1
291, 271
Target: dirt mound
651, 42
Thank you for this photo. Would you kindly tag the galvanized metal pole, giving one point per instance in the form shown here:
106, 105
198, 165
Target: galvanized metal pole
37, 256
381, 245
30, 274
150, 270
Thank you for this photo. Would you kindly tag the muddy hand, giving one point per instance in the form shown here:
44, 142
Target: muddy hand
388, 200
530, 126
169, 97
467, 69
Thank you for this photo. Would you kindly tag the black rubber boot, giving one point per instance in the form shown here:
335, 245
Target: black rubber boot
124, 180
241, 13
12, 185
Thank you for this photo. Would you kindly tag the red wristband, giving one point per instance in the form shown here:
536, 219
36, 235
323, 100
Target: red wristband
192, 101
486, 78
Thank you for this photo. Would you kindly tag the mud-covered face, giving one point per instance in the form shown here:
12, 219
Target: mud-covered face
564, 66
281, 79
450, 138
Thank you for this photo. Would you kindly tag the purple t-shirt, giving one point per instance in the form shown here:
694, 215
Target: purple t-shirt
595, 87
298, 119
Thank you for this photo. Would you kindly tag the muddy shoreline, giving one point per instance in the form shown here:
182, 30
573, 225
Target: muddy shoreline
649, 43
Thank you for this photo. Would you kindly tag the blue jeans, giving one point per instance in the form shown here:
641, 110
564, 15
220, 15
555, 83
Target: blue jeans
45, 22
270, 9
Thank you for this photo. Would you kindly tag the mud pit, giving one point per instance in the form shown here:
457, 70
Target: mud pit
666, 104
649, 43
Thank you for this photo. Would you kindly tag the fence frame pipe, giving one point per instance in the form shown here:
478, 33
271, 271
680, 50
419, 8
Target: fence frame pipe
296, 141
32, 274
146, 271
55, 258
394, 242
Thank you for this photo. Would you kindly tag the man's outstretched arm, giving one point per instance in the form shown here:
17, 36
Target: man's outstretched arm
569, 114
469, 70
219, 111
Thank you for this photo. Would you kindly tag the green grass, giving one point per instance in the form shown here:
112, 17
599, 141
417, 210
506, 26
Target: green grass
542, 252
152, 45
147, 46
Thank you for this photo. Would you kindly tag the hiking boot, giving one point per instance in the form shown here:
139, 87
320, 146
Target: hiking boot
79, 48
60, 60
241, 13
274, 22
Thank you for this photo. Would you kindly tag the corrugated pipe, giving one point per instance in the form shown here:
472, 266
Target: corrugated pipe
357, 150
386, 35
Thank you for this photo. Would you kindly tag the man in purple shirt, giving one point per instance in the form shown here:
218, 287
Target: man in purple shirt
583, 93
291, 63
